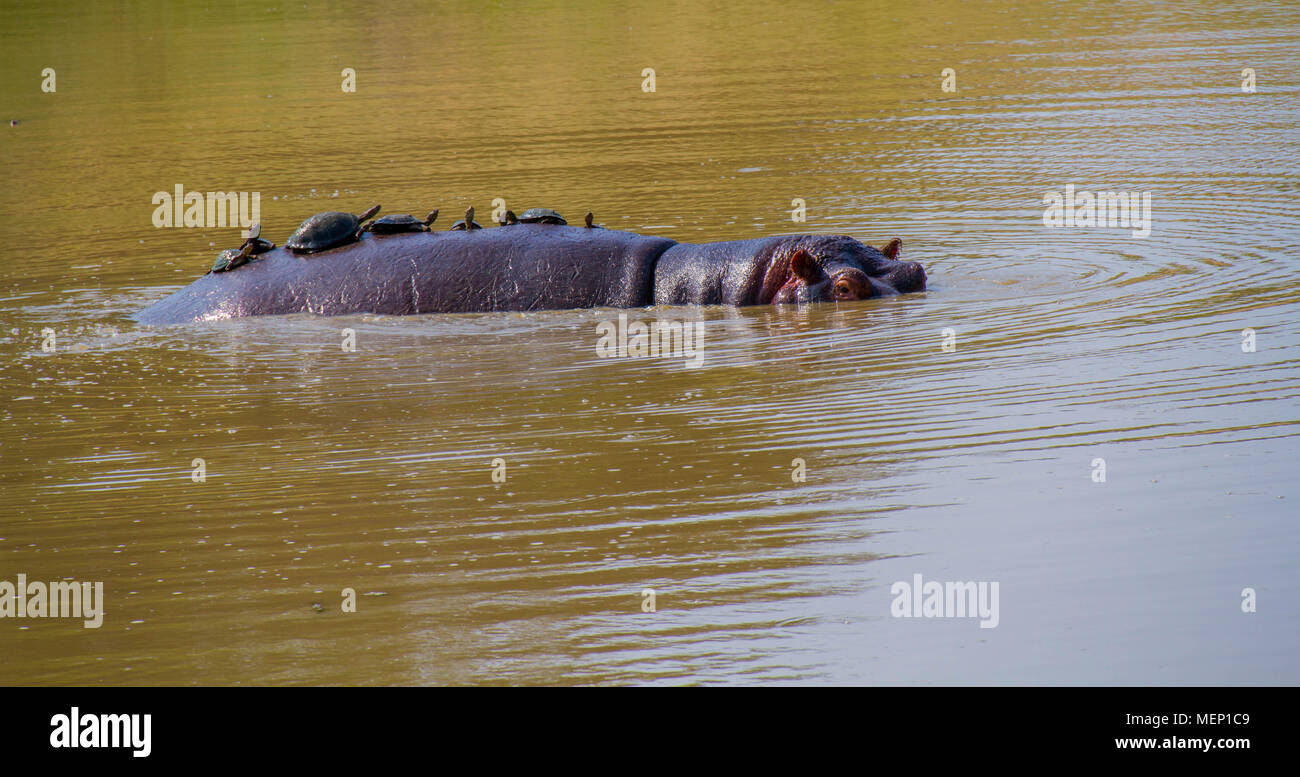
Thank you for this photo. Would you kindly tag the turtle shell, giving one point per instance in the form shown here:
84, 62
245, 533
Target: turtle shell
401, 222
324, 231
231, 258
224, 259
541, 216
459, 226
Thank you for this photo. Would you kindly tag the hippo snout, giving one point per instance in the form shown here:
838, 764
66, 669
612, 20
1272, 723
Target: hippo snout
907, 277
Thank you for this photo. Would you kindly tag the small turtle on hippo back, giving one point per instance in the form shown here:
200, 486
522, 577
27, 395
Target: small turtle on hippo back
399, 223
509, 219
231, 258
541, 216
328, 230
259, 244
466, 223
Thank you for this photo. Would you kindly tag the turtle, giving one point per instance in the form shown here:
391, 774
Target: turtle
541, 216
403, 222
231, 258
260, 245
327, 230
467, 223
587, 221
509, 219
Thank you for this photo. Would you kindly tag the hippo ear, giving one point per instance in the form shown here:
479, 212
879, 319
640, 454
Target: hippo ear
892, 248
804, 267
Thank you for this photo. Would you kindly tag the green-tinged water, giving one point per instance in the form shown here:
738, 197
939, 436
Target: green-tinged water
372, 469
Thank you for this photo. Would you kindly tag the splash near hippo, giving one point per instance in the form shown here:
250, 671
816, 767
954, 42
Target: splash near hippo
339, 263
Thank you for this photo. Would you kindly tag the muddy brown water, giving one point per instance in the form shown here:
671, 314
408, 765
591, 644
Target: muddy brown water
371, 470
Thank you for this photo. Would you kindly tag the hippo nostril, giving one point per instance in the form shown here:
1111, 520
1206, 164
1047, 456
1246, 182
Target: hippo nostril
908, 278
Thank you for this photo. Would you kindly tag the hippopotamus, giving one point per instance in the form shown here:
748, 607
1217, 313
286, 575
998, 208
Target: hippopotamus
539, 266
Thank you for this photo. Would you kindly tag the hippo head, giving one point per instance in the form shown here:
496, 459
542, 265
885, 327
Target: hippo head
837, 268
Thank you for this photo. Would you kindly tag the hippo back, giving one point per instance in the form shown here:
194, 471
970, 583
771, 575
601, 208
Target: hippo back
521, 267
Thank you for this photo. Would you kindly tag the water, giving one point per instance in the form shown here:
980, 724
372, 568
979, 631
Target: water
372, 470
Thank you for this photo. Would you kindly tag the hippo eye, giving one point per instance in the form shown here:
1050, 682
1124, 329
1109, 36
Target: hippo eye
843, 289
